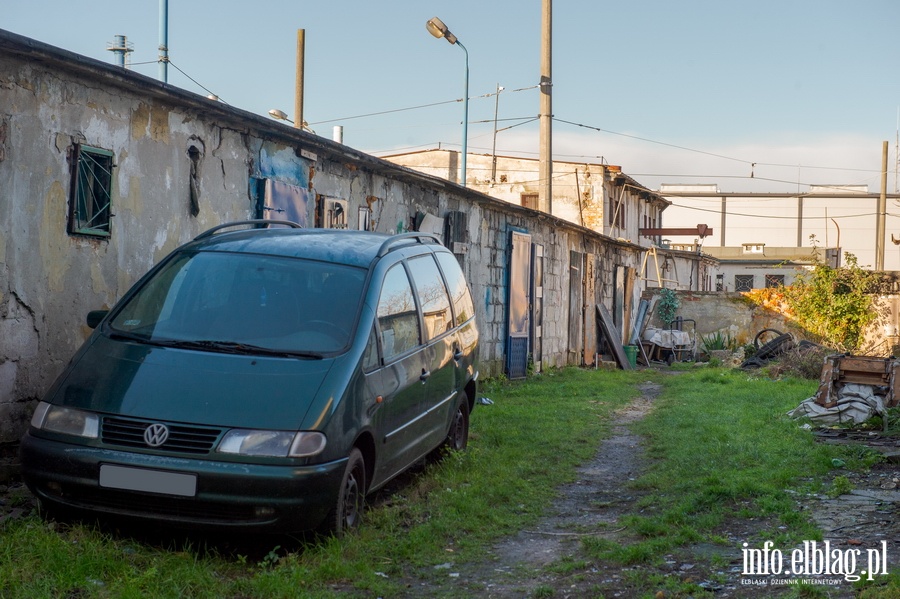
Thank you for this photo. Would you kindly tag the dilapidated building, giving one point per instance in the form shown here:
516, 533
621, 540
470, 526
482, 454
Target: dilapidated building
104, 171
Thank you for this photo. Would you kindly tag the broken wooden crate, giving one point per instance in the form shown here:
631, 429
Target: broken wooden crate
864, 370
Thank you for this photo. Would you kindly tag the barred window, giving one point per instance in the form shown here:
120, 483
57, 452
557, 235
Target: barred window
91, 191
743, 282
774, 280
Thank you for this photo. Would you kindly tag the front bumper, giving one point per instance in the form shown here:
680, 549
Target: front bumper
251, 497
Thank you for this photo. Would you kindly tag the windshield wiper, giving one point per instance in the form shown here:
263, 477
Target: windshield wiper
233, 347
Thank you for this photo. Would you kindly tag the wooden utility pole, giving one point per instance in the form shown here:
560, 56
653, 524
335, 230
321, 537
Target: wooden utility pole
882, 210
298, 90
545, 170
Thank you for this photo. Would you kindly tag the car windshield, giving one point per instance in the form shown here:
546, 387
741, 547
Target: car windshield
245, 303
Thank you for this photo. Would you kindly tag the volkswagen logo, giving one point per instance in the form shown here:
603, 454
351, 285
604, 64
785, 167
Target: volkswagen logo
156, 434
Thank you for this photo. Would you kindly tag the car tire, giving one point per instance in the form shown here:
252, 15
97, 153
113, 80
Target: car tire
458, 435
346, 514
457, 438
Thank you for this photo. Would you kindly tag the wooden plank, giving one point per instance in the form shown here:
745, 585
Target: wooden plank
613, 337
862, 364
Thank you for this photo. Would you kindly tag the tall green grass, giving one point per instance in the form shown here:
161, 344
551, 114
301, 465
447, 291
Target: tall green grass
521, 449
722, 447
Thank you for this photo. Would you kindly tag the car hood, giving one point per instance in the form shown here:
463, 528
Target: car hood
200, 387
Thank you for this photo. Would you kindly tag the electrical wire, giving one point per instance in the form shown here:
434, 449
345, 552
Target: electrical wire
197, 83
362, 116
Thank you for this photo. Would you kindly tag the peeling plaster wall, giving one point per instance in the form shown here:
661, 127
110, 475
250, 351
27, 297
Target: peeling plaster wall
160, 139
49, 280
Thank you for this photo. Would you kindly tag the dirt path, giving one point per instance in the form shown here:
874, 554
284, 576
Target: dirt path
547, 560
597, 500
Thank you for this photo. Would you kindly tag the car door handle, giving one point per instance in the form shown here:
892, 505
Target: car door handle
425, 374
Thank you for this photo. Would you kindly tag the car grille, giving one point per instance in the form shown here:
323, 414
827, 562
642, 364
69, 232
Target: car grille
126, 432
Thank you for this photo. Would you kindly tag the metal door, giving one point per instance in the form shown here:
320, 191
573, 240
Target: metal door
518, 304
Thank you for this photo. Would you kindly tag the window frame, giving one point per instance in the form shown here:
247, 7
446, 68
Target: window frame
91, 184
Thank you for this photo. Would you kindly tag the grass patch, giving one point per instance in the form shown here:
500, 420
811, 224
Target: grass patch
719, 444
521, 449
723, 448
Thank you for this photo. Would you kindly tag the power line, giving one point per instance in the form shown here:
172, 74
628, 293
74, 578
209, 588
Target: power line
715, 155
197, 83
362, 116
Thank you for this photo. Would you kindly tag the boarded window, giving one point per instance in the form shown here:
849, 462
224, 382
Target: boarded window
530, 200
91, 191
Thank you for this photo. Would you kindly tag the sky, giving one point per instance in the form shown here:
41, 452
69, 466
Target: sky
770, 95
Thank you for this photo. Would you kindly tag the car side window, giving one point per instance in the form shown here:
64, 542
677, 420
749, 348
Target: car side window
459, 290
370, 357
432, 296
398, 321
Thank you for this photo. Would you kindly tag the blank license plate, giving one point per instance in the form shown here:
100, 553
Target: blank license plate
148, 481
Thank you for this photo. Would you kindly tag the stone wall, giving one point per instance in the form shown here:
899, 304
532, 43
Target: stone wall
735, 314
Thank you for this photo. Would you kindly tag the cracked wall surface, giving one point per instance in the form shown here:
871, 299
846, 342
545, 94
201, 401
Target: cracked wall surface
183, 165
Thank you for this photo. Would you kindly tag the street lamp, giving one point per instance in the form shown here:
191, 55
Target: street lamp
437, 28
280, 115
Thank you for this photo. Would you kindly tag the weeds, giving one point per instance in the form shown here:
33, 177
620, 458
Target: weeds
841, 485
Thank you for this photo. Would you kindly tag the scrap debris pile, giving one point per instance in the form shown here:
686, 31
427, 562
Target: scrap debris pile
851, 390
778, 345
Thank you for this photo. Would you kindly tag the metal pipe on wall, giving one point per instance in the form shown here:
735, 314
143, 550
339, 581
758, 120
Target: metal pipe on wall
164, 41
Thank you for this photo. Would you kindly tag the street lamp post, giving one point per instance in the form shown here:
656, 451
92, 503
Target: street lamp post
437, 28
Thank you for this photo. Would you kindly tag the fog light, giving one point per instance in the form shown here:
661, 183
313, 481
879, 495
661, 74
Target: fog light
263, 512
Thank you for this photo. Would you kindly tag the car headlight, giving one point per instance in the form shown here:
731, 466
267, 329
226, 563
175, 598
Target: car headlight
69, 421
278, 444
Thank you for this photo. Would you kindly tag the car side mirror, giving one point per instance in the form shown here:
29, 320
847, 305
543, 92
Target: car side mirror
95, 317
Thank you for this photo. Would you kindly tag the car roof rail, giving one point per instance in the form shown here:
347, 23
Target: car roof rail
417, 237
257, 222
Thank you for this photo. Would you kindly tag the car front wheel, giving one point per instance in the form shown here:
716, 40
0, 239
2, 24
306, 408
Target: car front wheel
346, 514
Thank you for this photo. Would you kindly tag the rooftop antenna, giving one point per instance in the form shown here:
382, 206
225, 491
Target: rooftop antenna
121, 47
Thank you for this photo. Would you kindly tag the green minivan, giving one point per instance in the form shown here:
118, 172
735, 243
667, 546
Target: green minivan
263, 378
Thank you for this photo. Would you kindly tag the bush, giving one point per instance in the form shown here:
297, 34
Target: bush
834, 304
804, 361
